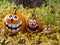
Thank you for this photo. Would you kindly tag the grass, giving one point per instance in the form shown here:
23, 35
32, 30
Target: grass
48, 15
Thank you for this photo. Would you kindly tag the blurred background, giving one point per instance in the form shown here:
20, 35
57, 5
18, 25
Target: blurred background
48, 11
30, 3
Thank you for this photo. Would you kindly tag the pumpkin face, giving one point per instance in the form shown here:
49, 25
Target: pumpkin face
34, 25
14, 23
48, 30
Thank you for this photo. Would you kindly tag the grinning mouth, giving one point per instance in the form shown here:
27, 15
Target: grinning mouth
31, 29
13, 27
47, 30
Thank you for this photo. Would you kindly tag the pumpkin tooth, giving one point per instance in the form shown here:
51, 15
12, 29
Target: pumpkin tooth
6, 23
9, 25
20, 22
13, 30
6, 27
17, 25
29, 29
18, 29
13, 25
36, 30
36, 25
10, 30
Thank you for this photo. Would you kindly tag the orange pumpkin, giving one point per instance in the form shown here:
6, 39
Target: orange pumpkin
13, 23
48, 30
34, 24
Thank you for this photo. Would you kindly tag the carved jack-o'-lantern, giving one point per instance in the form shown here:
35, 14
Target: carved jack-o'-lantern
14, 23
48, 30
34, 24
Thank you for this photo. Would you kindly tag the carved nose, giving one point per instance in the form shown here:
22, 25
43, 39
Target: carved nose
12, 20
32, 24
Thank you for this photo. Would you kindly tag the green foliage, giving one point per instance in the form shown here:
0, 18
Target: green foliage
49, 15
0, 2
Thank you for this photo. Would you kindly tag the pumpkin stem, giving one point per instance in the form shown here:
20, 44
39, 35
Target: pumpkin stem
16, 10
33, 13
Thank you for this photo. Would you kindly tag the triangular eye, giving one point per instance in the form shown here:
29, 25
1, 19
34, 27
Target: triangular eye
15, 17
10, 16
